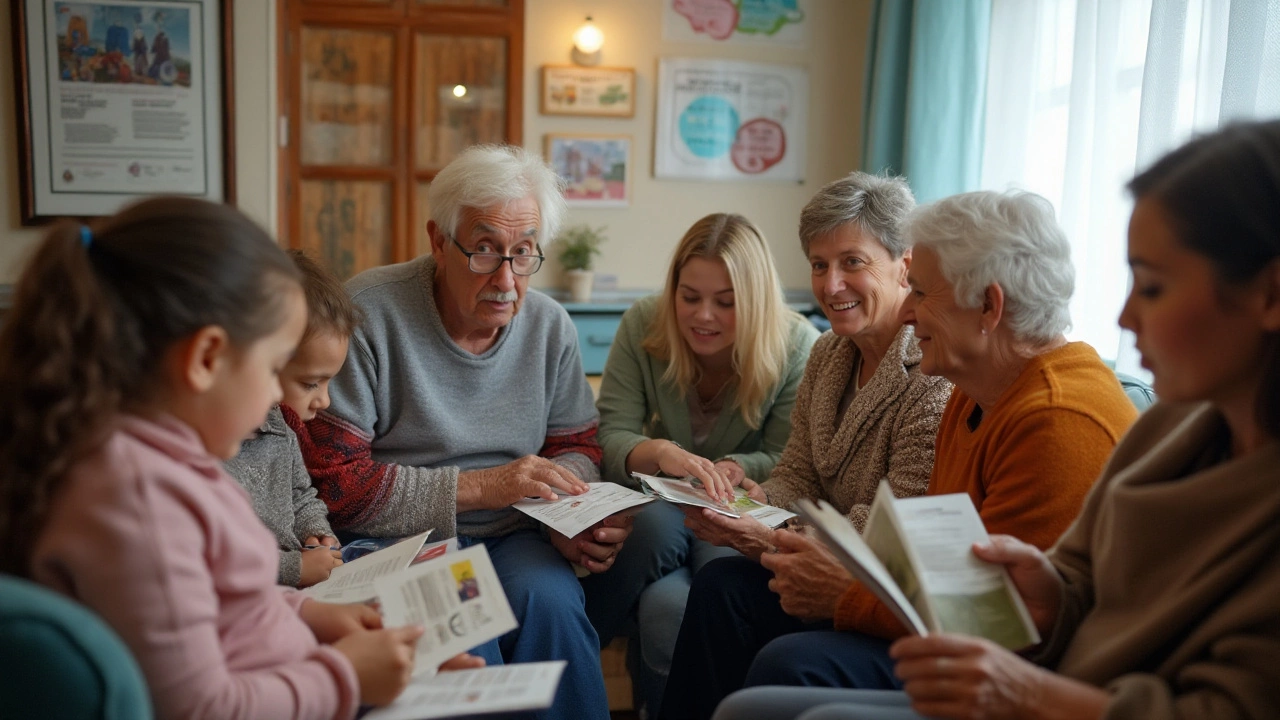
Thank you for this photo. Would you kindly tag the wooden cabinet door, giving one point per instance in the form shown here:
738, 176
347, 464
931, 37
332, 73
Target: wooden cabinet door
375, 97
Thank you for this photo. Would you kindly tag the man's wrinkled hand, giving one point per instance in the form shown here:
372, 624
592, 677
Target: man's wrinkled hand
597, 547
529, 477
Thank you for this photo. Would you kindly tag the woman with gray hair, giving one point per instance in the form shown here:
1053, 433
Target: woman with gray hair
1028, 429
864, 412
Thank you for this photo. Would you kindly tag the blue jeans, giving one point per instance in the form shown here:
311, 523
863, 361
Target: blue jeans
735, 634
549, 604
791, 703
825, 658
649, 582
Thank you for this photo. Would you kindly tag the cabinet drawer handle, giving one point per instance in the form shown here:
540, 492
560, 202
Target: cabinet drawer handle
599, 340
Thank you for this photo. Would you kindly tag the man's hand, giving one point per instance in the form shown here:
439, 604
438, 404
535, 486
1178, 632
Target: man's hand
530, 476
807, 578
745, 534
330, 622
596, 547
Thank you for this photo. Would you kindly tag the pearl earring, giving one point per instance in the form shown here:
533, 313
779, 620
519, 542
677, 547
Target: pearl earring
984, 331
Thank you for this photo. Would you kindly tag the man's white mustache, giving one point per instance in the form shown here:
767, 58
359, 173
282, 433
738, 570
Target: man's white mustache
502, 297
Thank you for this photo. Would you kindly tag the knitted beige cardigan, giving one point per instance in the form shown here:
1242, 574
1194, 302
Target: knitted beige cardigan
887, 432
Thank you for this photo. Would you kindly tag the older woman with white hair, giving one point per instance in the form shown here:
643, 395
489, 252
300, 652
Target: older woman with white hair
1029, 426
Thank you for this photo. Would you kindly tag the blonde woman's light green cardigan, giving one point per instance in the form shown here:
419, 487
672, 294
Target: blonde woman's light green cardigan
636, 405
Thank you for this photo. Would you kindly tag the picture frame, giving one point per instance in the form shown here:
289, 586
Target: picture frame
587, 91
119, 100
596, 169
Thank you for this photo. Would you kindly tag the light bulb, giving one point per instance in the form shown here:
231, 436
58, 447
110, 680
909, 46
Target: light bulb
588, 38
459, 90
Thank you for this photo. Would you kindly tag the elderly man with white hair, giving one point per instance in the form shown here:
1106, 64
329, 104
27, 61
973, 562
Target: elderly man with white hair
1029, 426
463, 392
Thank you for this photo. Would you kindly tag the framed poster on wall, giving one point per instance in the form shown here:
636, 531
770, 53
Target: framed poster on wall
729, 120
596, 169
598, 92
119, 100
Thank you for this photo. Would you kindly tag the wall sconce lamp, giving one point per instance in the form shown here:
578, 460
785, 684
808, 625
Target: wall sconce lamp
587, 41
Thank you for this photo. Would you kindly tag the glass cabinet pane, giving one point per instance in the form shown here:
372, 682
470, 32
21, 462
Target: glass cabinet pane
347, 224
461, 98
346, 96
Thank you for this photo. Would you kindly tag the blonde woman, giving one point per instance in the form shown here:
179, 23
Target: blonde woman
700, 381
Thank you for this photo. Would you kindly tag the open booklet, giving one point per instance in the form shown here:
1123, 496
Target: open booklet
353, 581
497, 689
572, 514
916, 556
459, 600
689, 491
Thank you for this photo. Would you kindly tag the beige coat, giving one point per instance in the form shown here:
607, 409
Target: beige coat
1172, 600
888, 431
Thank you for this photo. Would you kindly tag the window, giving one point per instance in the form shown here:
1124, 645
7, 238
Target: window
1081, 94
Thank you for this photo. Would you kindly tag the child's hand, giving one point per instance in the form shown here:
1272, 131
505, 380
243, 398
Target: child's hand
383, 660
330, 622
317, 564
328, 541
465, 661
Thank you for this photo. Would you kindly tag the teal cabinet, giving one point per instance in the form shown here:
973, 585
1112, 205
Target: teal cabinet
597, 323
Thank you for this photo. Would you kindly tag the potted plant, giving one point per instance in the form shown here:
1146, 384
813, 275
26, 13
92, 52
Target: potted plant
577, 247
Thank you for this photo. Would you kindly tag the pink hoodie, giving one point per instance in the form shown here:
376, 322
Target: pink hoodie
151, 533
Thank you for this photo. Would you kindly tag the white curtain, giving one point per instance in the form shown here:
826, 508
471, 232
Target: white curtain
1083, 93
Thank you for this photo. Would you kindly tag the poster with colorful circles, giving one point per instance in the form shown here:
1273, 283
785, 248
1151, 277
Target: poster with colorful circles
730, 120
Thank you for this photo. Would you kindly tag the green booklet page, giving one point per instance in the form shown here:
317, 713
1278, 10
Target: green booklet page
950, 587
916, 555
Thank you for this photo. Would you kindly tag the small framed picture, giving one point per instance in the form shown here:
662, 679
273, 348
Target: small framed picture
598, 92
596, 168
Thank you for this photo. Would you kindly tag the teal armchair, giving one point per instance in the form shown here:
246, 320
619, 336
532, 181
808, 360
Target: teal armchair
59, 660
1140, 393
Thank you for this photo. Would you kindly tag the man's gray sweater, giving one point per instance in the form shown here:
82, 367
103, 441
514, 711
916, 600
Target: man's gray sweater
411, 409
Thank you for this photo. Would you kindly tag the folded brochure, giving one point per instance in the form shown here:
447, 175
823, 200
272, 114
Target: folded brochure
572, 514
916, 555
353, 581
460, 601
497, 689
689, 491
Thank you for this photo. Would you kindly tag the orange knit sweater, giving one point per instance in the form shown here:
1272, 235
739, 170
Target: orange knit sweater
1028, 463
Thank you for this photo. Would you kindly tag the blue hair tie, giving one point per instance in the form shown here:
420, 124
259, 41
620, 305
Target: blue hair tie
86, 236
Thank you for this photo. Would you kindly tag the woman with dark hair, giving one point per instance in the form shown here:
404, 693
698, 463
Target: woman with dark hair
1160, 601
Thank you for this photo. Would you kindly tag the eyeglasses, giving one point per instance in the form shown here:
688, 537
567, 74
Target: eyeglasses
484, 263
